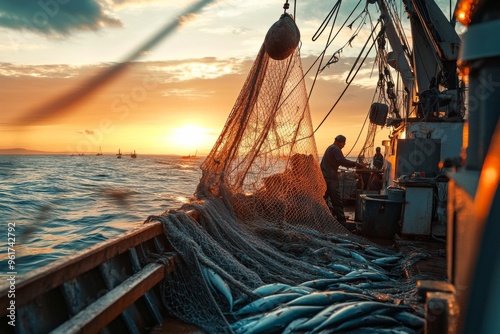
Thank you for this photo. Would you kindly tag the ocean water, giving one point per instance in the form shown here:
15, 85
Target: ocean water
60, 204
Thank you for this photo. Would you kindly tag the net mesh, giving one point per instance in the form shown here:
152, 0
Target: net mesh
261, 215
265, 163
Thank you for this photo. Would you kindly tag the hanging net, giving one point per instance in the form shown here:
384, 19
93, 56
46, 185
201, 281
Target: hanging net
262, 221
264, 166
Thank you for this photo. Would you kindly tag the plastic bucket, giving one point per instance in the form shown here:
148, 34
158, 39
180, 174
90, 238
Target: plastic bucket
381, 216
396, 194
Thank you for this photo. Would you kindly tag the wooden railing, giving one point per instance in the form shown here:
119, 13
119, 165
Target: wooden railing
89, 290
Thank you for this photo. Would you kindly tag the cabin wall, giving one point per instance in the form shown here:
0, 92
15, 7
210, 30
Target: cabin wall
450, 135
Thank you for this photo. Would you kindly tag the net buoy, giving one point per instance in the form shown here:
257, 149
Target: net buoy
282, 38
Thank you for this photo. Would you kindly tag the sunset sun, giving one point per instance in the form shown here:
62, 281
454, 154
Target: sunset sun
188, 137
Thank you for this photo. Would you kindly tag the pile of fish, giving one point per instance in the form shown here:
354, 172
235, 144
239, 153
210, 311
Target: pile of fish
303, 309
360, 294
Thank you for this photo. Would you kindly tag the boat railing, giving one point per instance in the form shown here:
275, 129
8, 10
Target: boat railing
88, 291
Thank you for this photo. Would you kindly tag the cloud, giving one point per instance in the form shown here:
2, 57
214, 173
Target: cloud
204, 68
45, 71
56, 18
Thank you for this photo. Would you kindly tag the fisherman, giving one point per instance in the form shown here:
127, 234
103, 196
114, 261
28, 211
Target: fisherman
332, 159
378, 159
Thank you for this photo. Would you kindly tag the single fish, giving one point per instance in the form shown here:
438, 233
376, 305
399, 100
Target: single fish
410, 320
292, 327
270, 289
379, 252
387, 261
365, 274
327, 298
321, 283
218, 284
267, 303
366, 321
303, 290
282, 317
345, 288
245, 327
347, 313
358, 257
341, 251
340, 268
321, 317
245, 321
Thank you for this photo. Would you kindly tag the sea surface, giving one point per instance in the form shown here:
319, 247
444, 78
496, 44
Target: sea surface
59, 204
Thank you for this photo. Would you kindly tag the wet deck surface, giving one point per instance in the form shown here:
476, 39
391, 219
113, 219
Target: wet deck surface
433, 267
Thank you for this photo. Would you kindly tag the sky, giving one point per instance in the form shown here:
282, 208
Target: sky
176, 94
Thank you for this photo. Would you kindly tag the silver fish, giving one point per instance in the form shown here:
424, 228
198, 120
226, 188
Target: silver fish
218, 284
270, 289
365, 274
267, 303
410, 320
321, 283
350, 312
327, 298
245, 327
345, 288
340, 268
379, 252
358, 257
292, 326
387, 261
245, 321
319, 318
366, 321
303, 290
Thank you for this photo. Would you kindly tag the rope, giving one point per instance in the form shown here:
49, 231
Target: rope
349, 81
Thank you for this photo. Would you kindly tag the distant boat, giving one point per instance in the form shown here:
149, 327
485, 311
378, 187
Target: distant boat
133, 155
100, 151
189, 156
119, 154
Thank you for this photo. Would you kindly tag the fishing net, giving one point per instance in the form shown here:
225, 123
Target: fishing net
261, 215
264, 166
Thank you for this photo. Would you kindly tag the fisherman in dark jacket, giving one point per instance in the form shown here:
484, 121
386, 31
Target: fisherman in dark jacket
378, 159
332, 159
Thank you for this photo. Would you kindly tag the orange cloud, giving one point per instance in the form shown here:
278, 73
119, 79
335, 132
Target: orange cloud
153, 99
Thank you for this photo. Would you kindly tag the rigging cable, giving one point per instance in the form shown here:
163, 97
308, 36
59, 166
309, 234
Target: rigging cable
349, 82
335, 57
